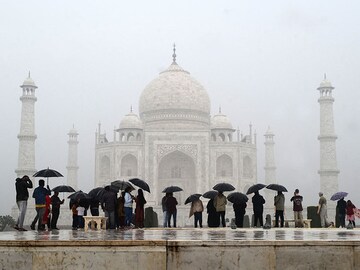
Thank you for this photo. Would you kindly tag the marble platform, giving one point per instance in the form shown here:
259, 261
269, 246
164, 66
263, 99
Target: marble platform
220, 248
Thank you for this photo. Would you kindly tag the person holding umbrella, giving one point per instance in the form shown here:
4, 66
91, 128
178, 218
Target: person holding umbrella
171, 203
139, 209
279, 202
196, 209
40, 204
258, 208
128, 201
239, 210
341, 207
22, 195
220, 206
55, 202
108, 204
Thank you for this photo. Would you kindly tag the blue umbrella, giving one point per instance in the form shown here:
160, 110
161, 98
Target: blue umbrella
338, 195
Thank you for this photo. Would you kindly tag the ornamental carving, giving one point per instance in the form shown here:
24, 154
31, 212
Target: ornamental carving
189, 149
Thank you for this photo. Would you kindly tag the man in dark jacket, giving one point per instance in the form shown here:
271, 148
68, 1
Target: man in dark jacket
108, 204
22, 195
258, 207
341, 206
55, 203
40, 204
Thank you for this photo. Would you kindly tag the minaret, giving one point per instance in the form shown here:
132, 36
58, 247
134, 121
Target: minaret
27, 137
72, 167
270, 168
328, 165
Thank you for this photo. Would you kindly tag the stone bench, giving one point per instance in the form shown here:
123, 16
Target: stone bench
306, 222
96, 222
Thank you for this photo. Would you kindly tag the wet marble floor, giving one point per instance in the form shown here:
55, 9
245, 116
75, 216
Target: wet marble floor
187, 234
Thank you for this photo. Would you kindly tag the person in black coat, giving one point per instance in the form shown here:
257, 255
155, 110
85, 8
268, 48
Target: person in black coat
341, 206
258, 207
213, 216
239, 209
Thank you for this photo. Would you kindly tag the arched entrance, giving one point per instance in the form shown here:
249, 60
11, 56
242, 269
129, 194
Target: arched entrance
177, 169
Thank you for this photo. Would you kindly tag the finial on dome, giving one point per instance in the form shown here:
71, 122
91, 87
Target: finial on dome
131, 108
174, 54
324, 76
220, 109
29, 74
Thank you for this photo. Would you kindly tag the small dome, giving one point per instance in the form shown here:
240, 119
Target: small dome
131, 120
325, 83
220, 121
73, 131
29, 82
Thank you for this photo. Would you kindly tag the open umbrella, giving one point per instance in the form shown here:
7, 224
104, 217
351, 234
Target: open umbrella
210, 194
192, 198
140, 183
277, 187
121, 185
47, 173
237, 197
338, 195
98, 193
255, 188
79, 195
63, 188
172, 189
223, 187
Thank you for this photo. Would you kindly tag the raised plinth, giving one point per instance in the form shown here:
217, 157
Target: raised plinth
182, 249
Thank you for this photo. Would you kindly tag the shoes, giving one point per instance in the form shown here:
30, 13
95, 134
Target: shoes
32, 227
55, 228
16, 227
22, 230
41, 229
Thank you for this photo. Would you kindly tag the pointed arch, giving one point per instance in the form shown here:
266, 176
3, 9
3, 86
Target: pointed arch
247, 167
224, 166
105, 167
129, 166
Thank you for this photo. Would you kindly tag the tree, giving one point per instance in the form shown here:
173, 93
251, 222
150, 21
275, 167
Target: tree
6, 220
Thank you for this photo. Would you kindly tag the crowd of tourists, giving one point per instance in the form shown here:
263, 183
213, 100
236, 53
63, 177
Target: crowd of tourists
119, 210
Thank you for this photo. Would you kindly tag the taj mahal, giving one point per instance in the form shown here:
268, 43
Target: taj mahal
175, 141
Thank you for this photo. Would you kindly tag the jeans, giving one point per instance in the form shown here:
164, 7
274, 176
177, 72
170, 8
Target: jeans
55, 216
323, 216
222, 218
165, 219
298, 219
258, 217
110, 223
198, 218
40, 211
128, 215
22, 205
342, 220
279, 214
173, 214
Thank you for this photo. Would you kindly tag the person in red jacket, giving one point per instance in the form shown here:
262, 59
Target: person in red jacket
350, 207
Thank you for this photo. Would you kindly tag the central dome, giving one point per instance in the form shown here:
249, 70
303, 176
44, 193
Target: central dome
174, 94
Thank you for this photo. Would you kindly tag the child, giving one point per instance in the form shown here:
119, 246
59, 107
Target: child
74, 216
350, 212
80, 213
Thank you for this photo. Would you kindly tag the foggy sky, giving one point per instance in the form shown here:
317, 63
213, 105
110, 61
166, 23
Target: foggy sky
261, 61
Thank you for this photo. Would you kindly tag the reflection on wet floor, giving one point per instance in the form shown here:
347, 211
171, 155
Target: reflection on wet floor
187, 234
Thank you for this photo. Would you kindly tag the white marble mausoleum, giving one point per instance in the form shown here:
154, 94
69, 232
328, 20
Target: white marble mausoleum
174, 140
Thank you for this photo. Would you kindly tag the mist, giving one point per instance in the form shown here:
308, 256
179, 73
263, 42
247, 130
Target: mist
260, 61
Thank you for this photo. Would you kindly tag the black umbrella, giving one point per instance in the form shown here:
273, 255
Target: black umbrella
192, 198
98, 193
63, 188
172, 189
79, 195
223, 187
121, 185
140, 183
237, 197
255, 188
210, 194
47, 173
277, 187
